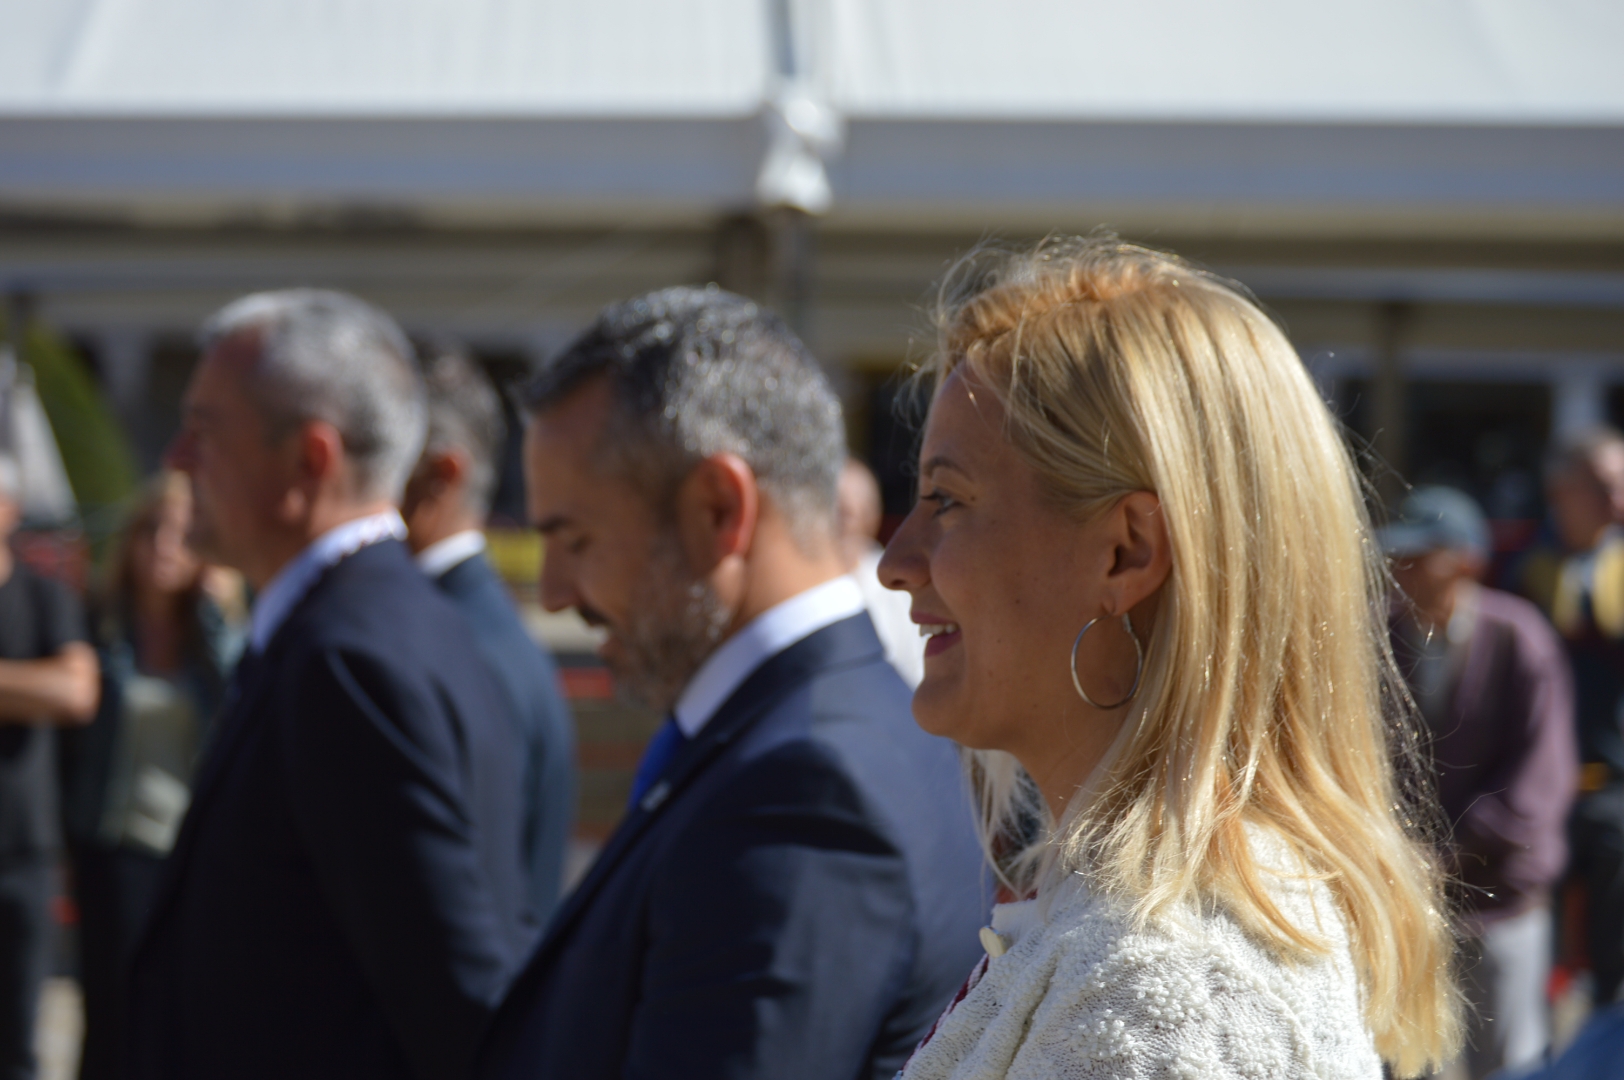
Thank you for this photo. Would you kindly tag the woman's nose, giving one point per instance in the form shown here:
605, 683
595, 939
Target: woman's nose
903, 566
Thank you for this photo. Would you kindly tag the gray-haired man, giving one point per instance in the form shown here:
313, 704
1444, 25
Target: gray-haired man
345, 898
795, 890
447, 501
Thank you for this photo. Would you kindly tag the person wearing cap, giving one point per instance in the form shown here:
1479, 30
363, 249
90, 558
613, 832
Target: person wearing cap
1579, 582
1490, 678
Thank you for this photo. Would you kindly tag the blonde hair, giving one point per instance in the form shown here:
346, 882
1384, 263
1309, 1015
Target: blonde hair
1269, 697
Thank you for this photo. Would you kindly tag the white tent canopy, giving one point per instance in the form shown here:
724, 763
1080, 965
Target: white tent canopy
1415, 112
1405, 61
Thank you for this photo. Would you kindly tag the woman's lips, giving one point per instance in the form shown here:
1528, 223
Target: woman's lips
939, 634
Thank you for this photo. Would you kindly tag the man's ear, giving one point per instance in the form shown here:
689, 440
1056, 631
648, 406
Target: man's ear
448, 467
718, 506
320, 451
1142, 556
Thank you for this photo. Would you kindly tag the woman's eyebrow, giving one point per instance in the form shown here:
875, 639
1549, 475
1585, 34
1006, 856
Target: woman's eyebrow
940, 461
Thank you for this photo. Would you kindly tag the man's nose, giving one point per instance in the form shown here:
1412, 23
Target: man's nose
557, 590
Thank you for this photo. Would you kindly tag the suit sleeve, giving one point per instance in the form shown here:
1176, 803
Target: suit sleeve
373, 762
780, 928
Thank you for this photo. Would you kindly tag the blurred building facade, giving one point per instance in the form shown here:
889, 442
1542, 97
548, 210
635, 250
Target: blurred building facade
1430, 197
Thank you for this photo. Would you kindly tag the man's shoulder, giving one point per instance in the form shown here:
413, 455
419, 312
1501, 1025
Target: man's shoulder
474, 587
852, 690
482, 599
1526, 623
846, 737
376, 602
36, 589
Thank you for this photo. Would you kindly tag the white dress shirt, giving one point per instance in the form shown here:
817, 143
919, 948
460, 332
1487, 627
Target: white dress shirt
893, 621
454, 550
762, 638
284, 591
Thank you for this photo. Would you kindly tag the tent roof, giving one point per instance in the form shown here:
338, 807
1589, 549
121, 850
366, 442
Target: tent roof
382, 58
1482, 61
971, 108
1477, 61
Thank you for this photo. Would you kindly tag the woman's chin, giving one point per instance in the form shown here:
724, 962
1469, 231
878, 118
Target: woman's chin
939, 710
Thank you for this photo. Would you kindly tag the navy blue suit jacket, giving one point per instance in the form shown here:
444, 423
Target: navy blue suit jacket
345, 898
798, 898
527, 675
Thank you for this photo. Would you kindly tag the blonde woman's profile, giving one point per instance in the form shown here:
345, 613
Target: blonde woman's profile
1156, 623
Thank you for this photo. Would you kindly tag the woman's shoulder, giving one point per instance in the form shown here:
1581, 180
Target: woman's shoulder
1198, 992
1087, 991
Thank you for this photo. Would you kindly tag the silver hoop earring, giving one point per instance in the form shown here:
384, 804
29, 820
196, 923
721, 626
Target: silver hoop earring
1138, 667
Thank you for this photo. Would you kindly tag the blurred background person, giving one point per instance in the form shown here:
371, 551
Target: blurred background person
447, 501
48, 676
860, 511
346, 896
168, 631
1491, 680
1581, 586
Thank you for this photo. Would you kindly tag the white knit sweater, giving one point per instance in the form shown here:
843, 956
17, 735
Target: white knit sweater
1081, 994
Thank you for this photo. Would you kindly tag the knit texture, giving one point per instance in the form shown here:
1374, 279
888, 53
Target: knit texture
1082, 994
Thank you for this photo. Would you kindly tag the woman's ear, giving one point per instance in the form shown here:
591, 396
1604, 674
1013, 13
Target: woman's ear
718, 506
1142, 558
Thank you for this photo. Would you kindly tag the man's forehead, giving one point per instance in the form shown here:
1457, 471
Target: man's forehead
569, 477
226, 363
579, 418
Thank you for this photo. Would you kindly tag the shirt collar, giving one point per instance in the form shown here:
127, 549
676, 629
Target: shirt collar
455, 549
762, 638
283, 592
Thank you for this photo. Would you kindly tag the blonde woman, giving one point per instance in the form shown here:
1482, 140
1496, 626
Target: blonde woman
1155, 620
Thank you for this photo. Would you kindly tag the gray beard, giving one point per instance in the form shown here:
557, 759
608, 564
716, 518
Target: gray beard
678, 622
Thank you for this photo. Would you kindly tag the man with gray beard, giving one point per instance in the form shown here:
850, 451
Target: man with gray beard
796, 889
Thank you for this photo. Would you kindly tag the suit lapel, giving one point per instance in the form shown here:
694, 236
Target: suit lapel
230, 729
235, 721
847, 643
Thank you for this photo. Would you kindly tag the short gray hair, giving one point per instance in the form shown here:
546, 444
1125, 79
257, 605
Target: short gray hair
698, 372
465, 412
329, 356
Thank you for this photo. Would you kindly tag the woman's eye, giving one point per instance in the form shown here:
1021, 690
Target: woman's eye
944, 502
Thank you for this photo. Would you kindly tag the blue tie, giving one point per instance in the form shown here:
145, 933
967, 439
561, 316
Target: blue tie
661, 749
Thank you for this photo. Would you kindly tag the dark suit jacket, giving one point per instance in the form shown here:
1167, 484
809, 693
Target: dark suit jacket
527, 675
345, 898
799, 897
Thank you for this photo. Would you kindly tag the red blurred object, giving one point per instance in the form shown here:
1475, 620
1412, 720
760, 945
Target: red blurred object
586, 683
1560, 981
63, 554
1513, 534
64, 910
